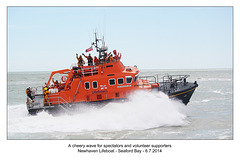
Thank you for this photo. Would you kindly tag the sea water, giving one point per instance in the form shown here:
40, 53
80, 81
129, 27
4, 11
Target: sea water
209, 115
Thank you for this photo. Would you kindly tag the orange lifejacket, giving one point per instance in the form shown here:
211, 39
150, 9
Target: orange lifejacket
45, 93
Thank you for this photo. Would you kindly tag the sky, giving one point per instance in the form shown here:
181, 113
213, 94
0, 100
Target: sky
48, 38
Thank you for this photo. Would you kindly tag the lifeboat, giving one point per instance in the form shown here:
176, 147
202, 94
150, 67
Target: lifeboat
107, 80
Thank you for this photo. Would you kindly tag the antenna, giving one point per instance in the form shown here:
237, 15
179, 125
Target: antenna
103, 42
100, 50
104, 23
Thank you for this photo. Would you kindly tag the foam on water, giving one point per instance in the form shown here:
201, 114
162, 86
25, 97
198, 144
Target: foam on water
218, 92
144, 110
215, 79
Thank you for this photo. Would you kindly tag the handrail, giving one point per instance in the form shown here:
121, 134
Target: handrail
173, 81
170, 78
167, 80
58, 99
36, 89
101, 62
93, 70
77, 88
142, 77
61, 104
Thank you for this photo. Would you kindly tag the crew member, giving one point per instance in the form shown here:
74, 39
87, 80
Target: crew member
55, 82
89, 58
96, 60
56, 89
109, 57
116, 56
51, 88
29, 93
81, 62
45, 97
103, 59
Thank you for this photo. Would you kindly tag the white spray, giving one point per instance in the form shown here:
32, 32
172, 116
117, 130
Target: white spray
144, 110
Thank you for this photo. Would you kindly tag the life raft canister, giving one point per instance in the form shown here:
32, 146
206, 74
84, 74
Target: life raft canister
154, 85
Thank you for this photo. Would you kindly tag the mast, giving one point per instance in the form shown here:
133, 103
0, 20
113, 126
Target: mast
100, 50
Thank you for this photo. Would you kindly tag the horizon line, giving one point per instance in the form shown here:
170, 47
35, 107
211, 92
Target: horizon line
139, 69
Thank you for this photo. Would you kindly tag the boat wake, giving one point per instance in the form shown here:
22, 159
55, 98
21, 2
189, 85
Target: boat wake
144, 110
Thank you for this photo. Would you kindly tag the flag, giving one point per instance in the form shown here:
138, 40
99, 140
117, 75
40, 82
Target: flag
89, 49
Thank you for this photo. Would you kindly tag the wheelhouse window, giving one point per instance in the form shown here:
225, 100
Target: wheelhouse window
112, 82
87, 85
135, 78
120, 81
95, 84
128, 79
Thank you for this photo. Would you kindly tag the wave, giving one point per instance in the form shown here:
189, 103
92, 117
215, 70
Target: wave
144, 110
215, 79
